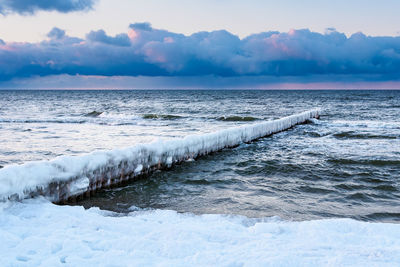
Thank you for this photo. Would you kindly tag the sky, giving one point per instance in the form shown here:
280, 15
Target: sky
199, 44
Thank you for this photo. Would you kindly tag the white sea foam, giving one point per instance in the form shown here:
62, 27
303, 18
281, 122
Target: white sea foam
373, 124
38, 233
104, 118
54, 178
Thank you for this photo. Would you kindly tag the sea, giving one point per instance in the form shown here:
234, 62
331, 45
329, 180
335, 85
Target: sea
342, 169
347, 164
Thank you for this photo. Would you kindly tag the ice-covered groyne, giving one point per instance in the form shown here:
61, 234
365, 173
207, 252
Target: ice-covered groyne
67, 177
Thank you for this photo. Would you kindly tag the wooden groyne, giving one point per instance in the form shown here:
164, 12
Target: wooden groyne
69, 178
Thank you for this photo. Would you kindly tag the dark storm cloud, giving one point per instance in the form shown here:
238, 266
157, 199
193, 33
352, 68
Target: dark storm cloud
152, 52
31, 6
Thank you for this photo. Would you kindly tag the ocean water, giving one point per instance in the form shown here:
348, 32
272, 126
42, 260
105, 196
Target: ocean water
345, 165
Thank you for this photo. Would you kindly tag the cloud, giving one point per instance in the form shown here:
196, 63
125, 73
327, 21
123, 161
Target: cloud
56, 34
25, 7
145, 51
101, 37
144, 26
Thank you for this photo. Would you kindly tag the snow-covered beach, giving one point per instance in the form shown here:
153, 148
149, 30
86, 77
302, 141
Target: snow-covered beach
38, 233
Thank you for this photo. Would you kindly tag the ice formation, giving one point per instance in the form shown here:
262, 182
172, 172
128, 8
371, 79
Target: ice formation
70, 176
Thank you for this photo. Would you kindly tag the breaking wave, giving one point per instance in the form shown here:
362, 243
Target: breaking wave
47, 120
237, 118
93, 114
93, 117
161, 116
356, 135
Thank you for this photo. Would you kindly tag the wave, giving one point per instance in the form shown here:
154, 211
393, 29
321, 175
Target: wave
350, 186
93, 114
378, 216
95, 118
237, 118
208, 182
367, 124
316, 134
161, 116
69, 176
373, 162
386, 188
314, 190
356, 135
360, 197
47, 120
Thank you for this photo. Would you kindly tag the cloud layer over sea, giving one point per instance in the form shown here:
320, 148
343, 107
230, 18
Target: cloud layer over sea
145, 51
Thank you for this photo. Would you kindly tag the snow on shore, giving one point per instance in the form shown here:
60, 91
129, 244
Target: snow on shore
38, 233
